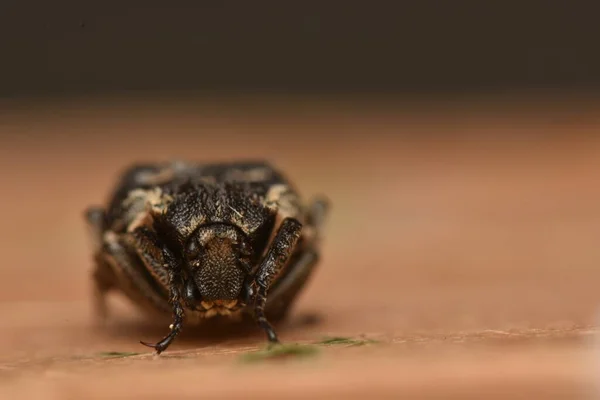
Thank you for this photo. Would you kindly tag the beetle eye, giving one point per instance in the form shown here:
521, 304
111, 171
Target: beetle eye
192, 250
244, 248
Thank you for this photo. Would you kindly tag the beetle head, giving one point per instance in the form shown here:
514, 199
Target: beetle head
217, 260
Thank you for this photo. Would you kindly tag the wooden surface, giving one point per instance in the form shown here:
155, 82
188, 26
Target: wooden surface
473, 260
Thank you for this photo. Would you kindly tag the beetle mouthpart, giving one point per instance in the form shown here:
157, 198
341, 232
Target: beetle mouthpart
226, 303
207, 305
222, 304
218, 307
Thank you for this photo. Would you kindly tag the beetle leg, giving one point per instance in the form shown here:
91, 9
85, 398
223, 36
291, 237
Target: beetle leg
248, 291
95, 218
275, 260
149, 250
300, 269
302, 262
175, 299
103, 277
103, 281
191, 296
317, 213
130, 275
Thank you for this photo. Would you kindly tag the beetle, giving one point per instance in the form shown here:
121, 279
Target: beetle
195, 240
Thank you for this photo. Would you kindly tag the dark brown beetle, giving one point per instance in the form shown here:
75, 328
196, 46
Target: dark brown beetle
199, 240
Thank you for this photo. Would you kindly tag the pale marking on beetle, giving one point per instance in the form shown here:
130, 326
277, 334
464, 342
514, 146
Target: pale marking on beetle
252, 175
164, 175
281, 199
142, 219
210, 180
195, 222
206, 235
110, 238
153, 202
156, 178
219, 307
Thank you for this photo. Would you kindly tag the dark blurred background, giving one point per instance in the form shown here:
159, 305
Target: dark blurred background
66, 47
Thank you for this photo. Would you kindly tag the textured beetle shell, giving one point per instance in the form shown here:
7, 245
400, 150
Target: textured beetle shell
174, 199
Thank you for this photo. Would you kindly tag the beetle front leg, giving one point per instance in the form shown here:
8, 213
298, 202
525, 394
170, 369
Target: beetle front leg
175, 299
275, 260
103, 277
